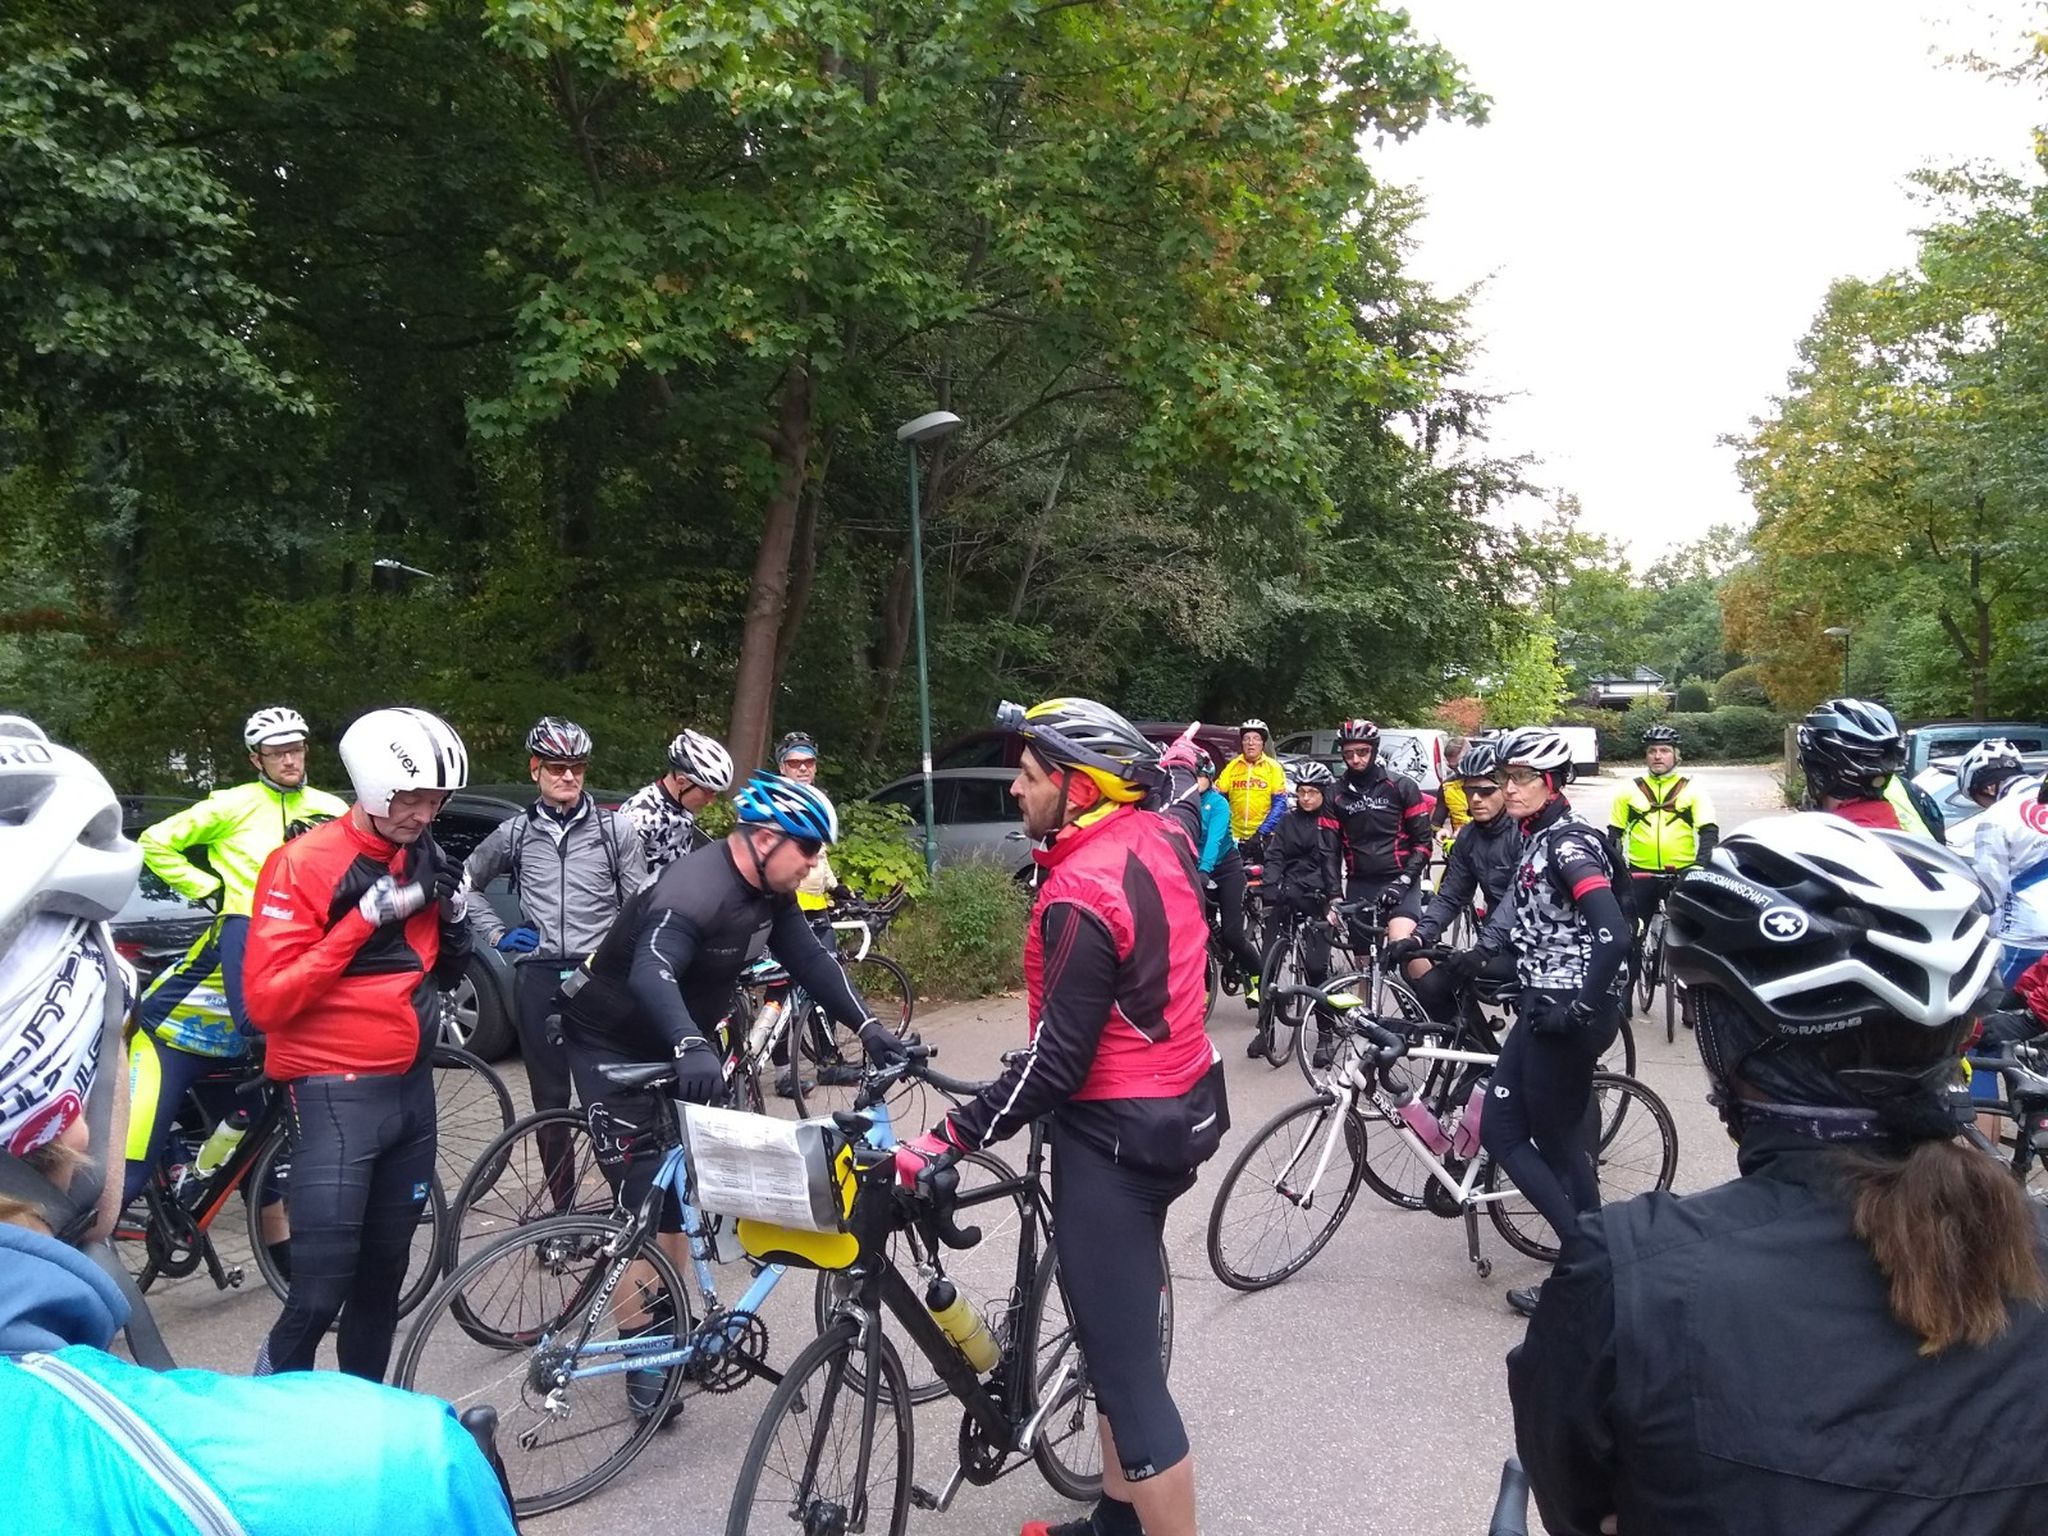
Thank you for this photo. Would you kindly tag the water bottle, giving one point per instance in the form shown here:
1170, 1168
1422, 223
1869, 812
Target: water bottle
215, 1149
764, 1027
962, 1324
1465, 1142
1417, 1117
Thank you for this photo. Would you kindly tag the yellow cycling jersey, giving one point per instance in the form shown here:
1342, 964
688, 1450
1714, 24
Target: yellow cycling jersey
1660, 820
1250, 788
1910, 819
238, 828
1456, 811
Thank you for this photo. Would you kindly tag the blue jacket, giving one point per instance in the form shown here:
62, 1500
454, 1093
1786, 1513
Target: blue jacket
1215, 829
116, 1448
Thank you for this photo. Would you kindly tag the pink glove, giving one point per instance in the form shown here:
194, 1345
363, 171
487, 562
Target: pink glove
913, 1157
1182, 753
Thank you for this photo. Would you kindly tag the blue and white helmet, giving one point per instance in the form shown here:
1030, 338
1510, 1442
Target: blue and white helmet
770, 800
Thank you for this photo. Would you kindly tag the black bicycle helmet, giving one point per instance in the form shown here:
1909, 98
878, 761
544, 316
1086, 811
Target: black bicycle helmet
1835, 968
1849, 747
1661, 735
1311, 773
1481, 761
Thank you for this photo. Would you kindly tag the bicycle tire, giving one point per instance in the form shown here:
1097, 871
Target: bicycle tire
454, 1364
1625, 1167
1620, 1057
887, 989
828, 1413
1670, 998
472, 1108
1392, 999
1071, 1426
1281, 1154
422, 1271
1646, 970
1280, 1022
1214, 982
985, 1274
509, 1185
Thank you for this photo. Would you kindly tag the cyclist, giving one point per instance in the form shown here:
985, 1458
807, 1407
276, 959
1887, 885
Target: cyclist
193, 1018
1571, 947
664, 977
1662, 824
796, 757
104, 1445
1480, 875
2011, 850
1304, 877
1383, 817
1115, 966
1256, 787
1221, 863
358, 926
573, 865
1761, 1356
664, 813
1450, 812
1851, 752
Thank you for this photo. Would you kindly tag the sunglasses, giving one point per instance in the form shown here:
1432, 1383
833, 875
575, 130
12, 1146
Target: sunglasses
809, 847
1483, 788
564, 770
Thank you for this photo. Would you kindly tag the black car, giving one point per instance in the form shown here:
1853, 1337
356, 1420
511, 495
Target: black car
158, 925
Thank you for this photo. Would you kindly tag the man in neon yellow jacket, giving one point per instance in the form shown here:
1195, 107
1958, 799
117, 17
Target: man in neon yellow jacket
192, 1017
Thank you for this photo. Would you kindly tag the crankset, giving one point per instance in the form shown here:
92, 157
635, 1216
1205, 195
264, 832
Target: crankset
1439, 1201
731, 1350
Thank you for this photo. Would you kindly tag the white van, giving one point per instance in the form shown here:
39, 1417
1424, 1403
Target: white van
1419, 753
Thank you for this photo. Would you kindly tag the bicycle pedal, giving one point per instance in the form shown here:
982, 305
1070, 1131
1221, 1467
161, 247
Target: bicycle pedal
234, 1274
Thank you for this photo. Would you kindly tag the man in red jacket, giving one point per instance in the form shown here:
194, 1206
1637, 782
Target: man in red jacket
1116, 968
356, 926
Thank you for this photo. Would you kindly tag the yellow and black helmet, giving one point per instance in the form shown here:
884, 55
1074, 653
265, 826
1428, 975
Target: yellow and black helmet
1090, 738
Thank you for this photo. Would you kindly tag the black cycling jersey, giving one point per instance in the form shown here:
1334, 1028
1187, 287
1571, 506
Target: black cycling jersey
1483, 861
665, 973
1384, 817
1302, 861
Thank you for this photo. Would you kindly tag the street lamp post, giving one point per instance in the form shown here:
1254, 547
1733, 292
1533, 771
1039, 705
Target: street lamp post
928, 428
1839, 633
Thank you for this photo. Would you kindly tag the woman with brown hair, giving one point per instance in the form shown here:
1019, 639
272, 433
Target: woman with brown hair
1846, 1338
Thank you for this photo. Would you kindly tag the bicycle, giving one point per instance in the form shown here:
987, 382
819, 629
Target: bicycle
846, 1397
1359, 935
1295, 1191
170, 1225
1651, 969
2022, 1072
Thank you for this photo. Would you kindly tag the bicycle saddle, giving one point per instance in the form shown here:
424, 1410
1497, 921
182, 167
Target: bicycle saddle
638, 1074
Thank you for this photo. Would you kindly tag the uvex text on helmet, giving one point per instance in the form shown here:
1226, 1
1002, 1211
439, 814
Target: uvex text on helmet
389, 751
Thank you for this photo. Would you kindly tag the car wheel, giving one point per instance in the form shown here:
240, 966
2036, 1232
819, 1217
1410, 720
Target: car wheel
472, 1018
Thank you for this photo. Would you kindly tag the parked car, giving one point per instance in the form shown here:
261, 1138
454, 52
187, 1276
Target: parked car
158, 925
1952, 738
1959, 812
973, 815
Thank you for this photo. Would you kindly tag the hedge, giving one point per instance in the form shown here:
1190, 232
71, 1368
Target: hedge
1733, 733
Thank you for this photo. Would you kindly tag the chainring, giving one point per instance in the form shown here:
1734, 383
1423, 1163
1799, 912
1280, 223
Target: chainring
745, 1351
1439, 1201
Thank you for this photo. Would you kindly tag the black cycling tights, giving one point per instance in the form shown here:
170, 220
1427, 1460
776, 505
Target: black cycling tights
1230, 886
1108, 1220
1541, 1123
362, 1158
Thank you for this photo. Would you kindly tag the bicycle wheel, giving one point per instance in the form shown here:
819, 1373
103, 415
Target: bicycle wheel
829, 1061
1391, 1001
1639, 1154
1620, 1057
543, 1166
471, 1109
985, 1274
269, 1182
1393, 1169
802, 1467
1280, 1019
886, 988
1670, 998
1272, 1214
1214, 984
563, 1432
1645, 961
1069, 1445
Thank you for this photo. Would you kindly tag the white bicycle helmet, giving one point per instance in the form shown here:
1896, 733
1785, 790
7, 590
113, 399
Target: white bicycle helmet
389, 751
60, 833
274, 725
1534, 746
1996, 759
702, 761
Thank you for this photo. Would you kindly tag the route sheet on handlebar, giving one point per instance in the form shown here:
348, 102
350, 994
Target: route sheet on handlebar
759, 1168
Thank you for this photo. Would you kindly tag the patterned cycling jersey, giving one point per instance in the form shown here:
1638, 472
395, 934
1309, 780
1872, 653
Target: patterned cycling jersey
667, 830
1563, 857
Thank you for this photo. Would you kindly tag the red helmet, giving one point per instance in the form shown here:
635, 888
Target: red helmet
1358, 730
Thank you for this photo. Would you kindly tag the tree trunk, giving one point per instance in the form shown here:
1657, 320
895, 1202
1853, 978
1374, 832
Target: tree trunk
753, 702
803, 564
897, 616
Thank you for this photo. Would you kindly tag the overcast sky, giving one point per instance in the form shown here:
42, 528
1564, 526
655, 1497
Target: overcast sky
1659, 201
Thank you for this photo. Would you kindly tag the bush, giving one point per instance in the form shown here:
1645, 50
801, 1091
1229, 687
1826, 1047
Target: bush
1735, 734
1693, 698
878, 849
966, 938
1745, 685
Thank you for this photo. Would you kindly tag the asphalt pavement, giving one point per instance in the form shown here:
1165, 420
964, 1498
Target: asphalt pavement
1366, 1394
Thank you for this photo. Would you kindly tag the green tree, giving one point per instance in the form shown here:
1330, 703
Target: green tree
1532, 683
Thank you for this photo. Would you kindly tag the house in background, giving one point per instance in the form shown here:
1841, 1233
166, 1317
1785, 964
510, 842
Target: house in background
1616, 692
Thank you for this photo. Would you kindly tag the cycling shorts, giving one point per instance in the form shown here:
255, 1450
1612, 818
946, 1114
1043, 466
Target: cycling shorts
626, 1130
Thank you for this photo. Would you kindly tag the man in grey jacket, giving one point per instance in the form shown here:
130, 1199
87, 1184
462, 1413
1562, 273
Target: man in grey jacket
573, 865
